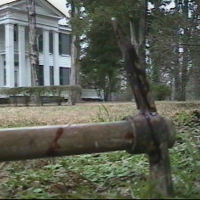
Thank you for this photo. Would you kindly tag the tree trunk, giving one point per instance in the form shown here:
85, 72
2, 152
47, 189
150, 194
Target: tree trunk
193, 86
75, 65
109, 87
184, 71
181, 72
33, 50
75, 56
177, 83
184, 75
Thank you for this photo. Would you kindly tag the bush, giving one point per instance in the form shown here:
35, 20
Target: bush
161, 91
71, 92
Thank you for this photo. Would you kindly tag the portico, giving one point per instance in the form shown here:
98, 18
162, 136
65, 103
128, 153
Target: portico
53, 45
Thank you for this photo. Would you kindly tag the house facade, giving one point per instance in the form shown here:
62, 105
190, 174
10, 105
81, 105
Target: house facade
53, 41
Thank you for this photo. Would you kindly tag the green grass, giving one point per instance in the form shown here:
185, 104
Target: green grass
114, 175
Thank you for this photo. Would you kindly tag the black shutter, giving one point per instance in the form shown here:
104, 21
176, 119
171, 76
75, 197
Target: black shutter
41, 75
51, 42
40, 41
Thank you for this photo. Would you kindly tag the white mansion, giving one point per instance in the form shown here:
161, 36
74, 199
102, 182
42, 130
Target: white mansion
53, 44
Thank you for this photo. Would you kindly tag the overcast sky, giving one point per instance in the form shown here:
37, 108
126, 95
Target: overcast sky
60, 4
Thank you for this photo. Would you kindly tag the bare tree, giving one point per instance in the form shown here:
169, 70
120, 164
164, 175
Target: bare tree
75, 49
75, 52
33, 50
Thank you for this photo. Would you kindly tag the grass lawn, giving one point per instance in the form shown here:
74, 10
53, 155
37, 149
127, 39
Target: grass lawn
115, 175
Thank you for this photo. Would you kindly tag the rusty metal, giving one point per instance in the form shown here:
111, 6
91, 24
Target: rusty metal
160, 171
52, 141
164, 130
156, 146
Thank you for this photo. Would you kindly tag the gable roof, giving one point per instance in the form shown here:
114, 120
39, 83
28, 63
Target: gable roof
2, 2
7, 2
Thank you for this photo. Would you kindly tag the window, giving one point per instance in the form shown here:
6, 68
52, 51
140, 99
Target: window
4, 76
64, 76
50, 42
64, 44
15, 33
40, 43
16, 74
16, 78
51, 75
41, 75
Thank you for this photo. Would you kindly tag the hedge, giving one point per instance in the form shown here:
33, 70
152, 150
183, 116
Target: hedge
72, 91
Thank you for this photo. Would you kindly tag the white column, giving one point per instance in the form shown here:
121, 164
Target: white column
46, 57
56, 58
28, 71
22, 64
1, 71
9, 45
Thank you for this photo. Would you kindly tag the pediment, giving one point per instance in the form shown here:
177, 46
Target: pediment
43, 7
